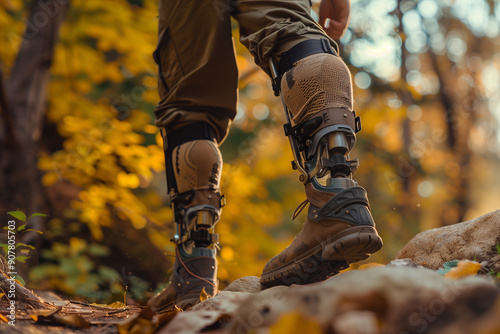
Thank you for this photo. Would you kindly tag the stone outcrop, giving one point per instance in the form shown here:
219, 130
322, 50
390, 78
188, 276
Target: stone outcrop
377, 300
472, 240
387, 300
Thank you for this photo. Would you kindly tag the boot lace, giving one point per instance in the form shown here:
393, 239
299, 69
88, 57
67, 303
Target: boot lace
299, 208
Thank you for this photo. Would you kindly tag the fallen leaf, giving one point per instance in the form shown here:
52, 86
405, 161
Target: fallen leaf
464, 269
51, 316
139, 324
34, 314
295, 323
73, 320
113, 305
3, 318
204, 295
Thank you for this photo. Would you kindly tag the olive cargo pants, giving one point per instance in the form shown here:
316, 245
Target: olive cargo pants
198, 77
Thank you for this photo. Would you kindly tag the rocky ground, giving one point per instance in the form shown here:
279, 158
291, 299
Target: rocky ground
423, 290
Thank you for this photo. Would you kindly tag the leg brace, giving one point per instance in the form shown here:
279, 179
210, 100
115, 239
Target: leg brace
193, 166
316, 92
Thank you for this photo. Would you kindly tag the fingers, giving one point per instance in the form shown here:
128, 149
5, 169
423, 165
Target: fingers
334, 29
334, 16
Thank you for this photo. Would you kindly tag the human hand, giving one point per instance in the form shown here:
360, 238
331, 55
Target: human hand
334, 17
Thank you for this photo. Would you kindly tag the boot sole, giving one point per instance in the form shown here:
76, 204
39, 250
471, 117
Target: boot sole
326, 259
184, 303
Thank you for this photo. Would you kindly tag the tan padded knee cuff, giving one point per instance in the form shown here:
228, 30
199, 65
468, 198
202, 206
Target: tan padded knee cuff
315, 83
197, 165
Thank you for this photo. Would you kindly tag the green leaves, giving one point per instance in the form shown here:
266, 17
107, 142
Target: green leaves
20, 248
21, 244
38, 215
18, 215
22, 259
22, 217
98, 250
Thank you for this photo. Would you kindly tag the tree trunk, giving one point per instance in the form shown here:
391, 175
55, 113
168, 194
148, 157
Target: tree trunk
23, 108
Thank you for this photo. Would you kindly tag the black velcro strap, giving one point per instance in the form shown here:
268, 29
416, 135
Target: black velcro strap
194, 131
301, 51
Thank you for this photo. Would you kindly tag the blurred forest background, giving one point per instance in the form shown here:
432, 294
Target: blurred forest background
77, 140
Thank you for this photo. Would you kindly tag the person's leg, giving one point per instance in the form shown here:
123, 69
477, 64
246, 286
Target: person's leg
198, 77
272, 27
198, 91
316, 87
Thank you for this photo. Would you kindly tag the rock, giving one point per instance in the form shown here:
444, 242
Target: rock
403, 263
225, 301
191, 322
229, 299
219, 308
472, 240
397, 299
245, 284
356, 322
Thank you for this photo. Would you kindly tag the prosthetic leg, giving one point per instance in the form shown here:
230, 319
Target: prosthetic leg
316, 91
193, 166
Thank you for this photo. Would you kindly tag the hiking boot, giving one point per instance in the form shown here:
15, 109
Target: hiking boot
193, 163
339, 231
191, 274
316, 89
